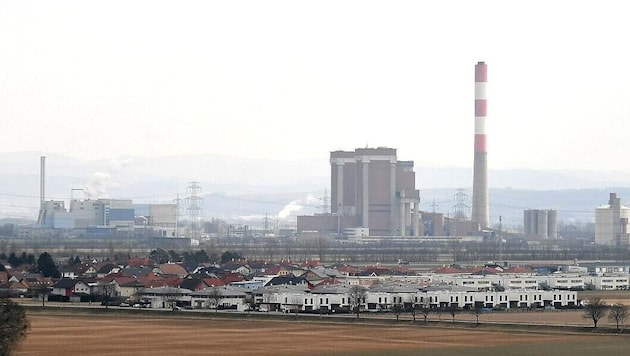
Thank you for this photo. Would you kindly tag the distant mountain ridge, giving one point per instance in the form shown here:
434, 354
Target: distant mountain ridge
238, 187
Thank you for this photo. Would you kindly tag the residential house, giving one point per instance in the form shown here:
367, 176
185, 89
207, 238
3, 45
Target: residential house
289, 280
70, 287
166, 297
171, 269
130, 289
67, 272
106, 269
193, 284
221, 298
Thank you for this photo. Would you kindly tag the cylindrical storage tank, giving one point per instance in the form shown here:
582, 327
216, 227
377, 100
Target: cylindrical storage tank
542, 223
604, 225
533, 222
552, 224
527, 220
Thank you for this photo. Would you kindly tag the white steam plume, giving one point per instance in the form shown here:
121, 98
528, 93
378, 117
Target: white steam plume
97, 186
296, 206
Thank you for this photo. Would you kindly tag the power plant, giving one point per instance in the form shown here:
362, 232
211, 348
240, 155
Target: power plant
372, 194
389, 209
480, 209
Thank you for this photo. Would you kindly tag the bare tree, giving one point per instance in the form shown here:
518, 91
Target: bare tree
356, 296
296, 304
215, 296
476, 311
397, 309
595, 309
618, 313
425, 309
108, 290
42, 290
453, 310
413, 305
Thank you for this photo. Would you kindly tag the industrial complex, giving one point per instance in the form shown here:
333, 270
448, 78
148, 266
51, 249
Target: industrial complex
373, 195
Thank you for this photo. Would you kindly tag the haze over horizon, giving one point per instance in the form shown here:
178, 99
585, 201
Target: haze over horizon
286, 80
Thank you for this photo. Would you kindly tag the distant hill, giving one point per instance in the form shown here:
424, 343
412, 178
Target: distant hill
248, 189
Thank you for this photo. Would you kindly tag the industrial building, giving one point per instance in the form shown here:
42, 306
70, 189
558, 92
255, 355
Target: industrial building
540, 224
104, 217
371, 192
611, 223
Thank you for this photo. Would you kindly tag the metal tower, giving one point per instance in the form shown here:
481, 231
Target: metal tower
193, 202
460, 209
325, 203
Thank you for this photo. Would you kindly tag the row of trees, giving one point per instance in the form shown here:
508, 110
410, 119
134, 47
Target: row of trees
199, 256
596, 308
15, 260
358, 293
45, 265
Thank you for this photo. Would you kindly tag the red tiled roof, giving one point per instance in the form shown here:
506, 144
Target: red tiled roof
232, 277
484, 270
347, 269
273, 270
173, 282
213, 282
151, 280
328, 281
518, 269
173, 269
123, 279
310, 264
110, 277
448, 269
138, 262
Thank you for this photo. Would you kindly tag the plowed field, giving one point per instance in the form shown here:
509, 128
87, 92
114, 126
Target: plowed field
139, 335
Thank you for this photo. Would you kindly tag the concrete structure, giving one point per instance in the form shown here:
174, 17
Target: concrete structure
370, 189
540, 224
109, 216
42, 193
480, 209
161, 219
611, 223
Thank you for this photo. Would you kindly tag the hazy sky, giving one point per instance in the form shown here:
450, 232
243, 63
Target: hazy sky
296, 79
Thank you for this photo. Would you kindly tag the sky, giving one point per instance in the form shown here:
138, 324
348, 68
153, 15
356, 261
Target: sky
291, 80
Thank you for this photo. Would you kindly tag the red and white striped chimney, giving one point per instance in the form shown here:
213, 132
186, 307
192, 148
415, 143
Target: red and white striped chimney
480, 209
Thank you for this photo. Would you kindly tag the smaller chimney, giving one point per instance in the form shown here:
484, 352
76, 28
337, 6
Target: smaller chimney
42, 181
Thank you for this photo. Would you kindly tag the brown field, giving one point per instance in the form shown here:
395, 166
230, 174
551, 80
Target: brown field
163, 335
122, 333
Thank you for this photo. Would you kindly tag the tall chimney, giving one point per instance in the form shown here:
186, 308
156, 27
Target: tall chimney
42, 181
480, 210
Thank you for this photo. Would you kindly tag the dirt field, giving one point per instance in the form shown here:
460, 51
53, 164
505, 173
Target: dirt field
156, 336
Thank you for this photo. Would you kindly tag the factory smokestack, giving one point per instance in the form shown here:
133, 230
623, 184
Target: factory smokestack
480, 210
42, 181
